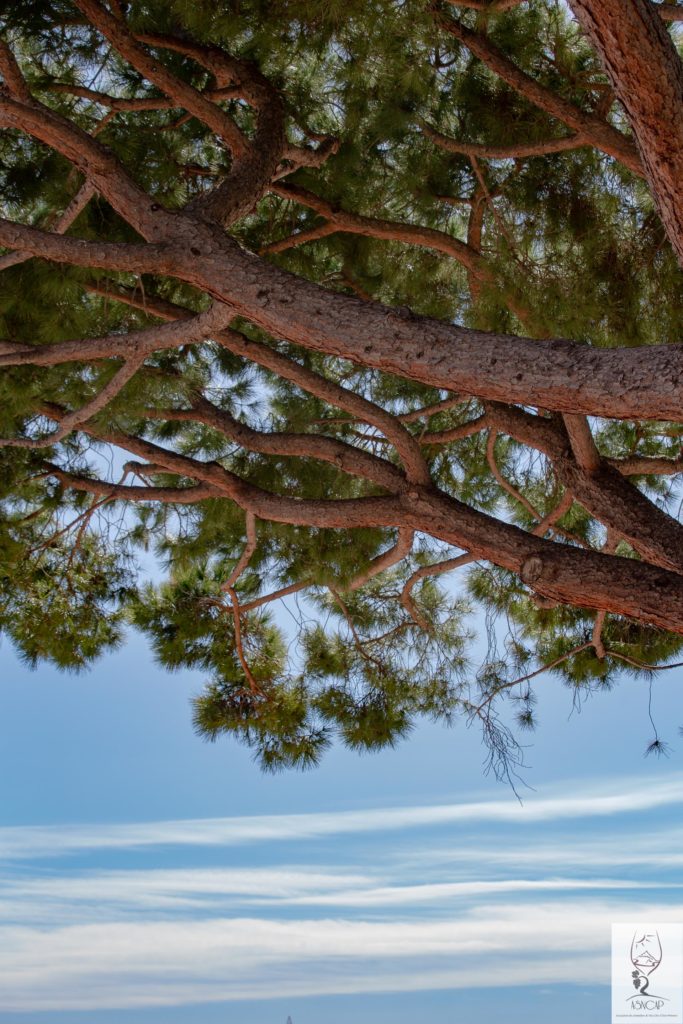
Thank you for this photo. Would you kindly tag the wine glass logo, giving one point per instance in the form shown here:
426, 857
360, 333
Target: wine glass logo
646, 956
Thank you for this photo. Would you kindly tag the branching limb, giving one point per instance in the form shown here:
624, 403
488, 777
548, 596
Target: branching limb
667, 13
277, 595
239, 645
430, 410
515, 151
255, 161
373, 227
405, 444
595, 130
72, 420
636, 663
565, 573
596, 639
400, 550
642, 466
458, 433
123, 104
14, 81
300, 238
126, 492
327, 449
563, 506
245, 557
133, 347
96, 163
467, 255
606, 494
583, 445
183, 94
127, 256
487, 6
296, 157
436, 569
229, 588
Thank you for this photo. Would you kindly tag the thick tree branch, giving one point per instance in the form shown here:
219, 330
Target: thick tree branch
14, 81
97, 164
570, 575
555, 374
255, 162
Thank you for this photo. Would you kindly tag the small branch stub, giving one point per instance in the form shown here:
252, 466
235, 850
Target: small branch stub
532, 570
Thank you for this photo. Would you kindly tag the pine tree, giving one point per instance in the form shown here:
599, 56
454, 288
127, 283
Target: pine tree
335, 300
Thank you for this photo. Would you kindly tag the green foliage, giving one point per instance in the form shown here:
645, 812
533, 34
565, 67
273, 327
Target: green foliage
61, 605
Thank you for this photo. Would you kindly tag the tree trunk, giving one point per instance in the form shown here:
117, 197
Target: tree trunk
647, 76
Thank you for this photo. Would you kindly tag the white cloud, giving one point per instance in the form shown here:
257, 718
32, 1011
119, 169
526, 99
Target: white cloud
173, 962
657, 849
150, 894
627, 796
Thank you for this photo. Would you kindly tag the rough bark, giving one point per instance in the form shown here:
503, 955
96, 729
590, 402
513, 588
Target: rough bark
557, 374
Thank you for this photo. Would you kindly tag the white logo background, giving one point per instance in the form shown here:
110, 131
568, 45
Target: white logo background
652, 955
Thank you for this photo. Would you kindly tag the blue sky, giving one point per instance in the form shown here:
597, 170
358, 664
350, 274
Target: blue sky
148, 876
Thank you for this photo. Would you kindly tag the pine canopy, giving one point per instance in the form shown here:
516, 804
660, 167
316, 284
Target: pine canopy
363, 315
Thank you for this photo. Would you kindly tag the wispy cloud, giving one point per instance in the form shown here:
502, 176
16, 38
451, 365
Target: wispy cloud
627, 797
168, 963
151, 894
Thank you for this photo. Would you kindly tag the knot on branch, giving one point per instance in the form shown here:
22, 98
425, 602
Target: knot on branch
532, 570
